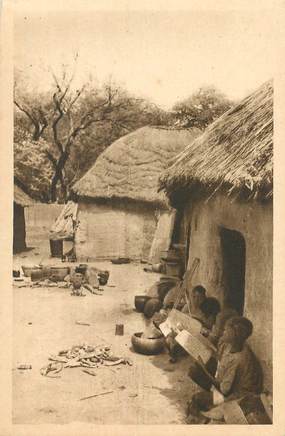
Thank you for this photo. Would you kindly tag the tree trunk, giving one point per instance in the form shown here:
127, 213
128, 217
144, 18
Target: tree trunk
58, 177
53, 193
63, 188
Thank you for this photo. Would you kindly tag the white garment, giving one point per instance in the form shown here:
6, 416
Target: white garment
218, 397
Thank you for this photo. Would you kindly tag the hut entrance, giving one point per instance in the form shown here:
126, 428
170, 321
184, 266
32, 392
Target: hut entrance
19, 235
176, 236
233, 253
188, 239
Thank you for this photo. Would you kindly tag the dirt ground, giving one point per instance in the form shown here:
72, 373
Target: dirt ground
152, 391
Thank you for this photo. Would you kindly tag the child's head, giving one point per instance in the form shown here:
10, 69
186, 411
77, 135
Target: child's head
210, 307
77, 280
198, 295
237, 330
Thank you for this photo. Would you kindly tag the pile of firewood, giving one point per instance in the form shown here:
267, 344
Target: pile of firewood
84, 356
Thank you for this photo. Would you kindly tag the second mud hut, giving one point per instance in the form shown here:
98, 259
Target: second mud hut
120, 212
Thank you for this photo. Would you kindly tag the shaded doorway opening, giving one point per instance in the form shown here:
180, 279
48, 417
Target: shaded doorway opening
233, 255
19, 229
188, 239
176, 233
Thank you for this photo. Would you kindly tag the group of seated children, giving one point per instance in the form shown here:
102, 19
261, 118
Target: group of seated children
233, 370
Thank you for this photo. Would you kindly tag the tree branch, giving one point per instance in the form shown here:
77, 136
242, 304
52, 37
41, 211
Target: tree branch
51, 158
78, 93
56, 121
25, 111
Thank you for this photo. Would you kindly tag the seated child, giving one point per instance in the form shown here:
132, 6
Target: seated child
77, 288
238, 373
214, 335
209, 308
197, 296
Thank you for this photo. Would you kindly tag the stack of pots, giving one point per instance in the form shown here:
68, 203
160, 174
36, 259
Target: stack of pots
173, 262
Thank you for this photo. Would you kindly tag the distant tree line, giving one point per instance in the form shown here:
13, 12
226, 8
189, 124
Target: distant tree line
59, 134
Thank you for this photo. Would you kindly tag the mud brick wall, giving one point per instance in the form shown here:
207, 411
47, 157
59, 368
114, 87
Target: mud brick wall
255, 222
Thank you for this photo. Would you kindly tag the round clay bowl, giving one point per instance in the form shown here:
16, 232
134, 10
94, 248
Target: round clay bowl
140, 301
147, 346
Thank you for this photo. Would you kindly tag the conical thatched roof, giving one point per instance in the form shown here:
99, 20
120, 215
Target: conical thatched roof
130, 167
234, 154
21, 198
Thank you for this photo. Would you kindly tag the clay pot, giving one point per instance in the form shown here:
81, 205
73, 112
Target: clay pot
152, 306
140, 301
58, 274
82, 268
164, 287
40, 274
173, 268
147, 346
121, 260
103, 277
27, 270
157, 267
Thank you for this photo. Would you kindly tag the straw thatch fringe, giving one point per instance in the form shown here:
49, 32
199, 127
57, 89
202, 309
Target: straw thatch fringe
21, 198
234, 154
129, 169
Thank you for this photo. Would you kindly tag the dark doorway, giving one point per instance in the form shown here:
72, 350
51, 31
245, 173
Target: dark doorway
19, 234
188, 239
233, 252
176, 233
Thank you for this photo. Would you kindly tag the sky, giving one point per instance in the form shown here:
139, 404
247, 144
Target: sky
161, 55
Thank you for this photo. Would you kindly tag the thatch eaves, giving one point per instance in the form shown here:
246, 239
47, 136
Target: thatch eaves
21, 198
129, 169
234, 154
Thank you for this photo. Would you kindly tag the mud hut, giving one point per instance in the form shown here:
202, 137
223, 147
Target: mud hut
120, 212
223, 184
21, 200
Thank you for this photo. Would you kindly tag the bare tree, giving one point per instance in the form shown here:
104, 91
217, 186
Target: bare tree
67, 118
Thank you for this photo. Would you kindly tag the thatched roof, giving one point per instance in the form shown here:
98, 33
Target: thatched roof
234, 154
130, 167
21, 198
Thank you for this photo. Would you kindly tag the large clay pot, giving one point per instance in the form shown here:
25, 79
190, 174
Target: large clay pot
147, 346
140, 301
164, 287
58, 274
28, 270
152, 306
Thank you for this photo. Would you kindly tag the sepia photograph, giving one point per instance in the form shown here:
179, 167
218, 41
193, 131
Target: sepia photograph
142, 216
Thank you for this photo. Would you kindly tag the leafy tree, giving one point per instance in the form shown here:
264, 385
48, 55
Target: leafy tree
201, 108
128, 116
32, 167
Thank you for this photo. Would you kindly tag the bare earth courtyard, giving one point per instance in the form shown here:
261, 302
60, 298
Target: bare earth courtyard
151, 391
